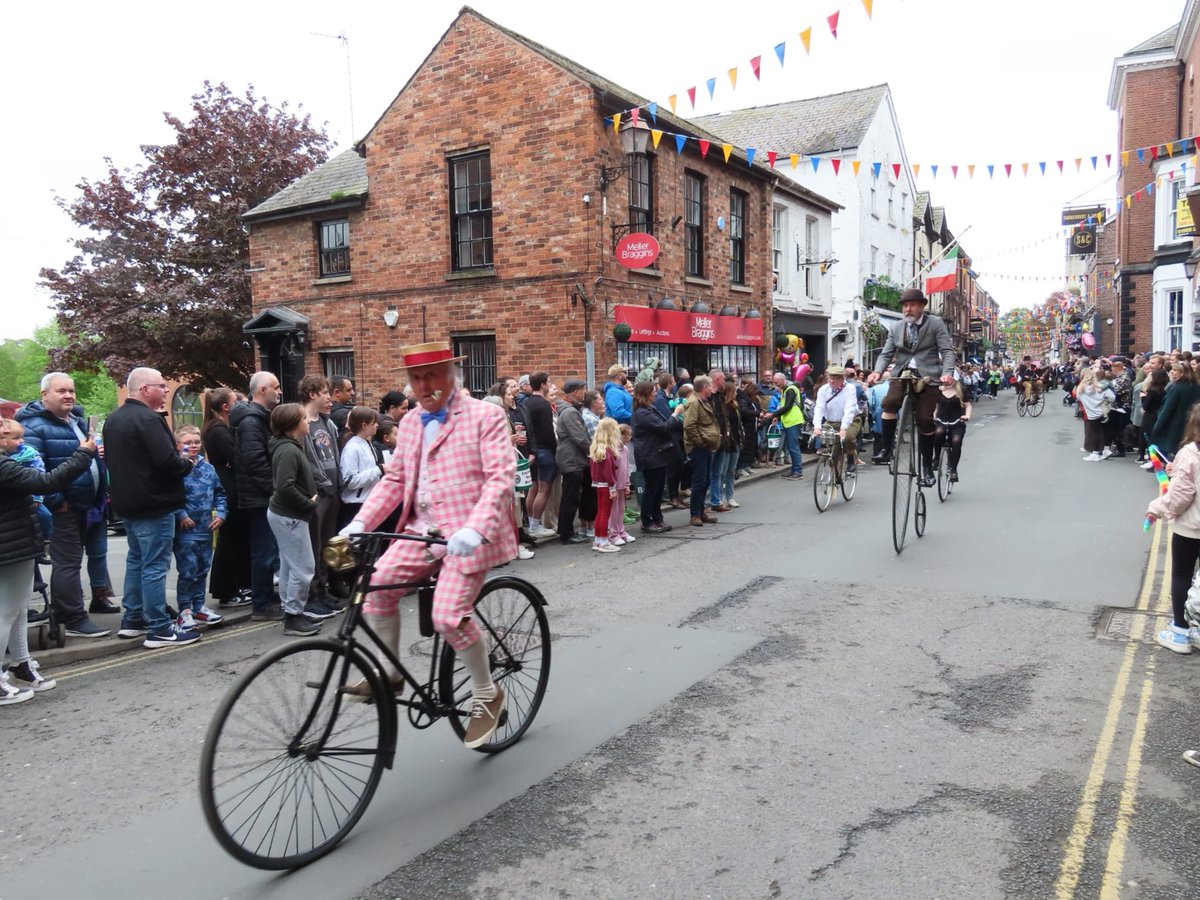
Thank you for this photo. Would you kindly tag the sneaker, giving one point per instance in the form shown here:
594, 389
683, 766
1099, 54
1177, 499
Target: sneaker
318, 610
485, 716
132, 630
1106, 453
606, 548
732, 504
186, 621
208, 616
300, 625
953, 476
171, 636
10, 693
542, 532
1194, 636
1175, 639
619, 541
1093, 457
27, 677
630, 516
524, 552
628, 538
591, 532
88, 629
236, 600
272, 612
1148, 466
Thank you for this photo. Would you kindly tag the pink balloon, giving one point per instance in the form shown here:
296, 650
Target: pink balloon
800, 371
786, 356
1088, 340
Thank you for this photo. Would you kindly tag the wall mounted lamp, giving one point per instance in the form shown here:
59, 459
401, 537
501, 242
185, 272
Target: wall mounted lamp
391, 316
635, 141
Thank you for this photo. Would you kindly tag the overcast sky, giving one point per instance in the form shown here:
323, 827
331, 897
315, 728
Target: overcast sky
973, 82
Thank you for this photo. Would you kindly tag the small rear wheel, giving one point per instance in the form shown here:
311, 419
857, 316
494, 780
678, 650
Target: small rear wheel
511, 614
849, 479
919, 514
943, 475
823, 486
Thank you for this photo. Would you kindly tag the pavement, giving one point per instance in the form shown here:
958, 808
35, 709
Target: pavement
79, 649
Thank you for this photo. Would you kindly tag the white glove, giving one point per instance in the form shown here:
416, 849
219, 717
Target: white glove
355, 527
464, 542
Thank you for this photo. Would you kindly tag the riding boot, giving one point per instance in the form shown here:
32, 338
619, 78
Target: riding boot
925, 446
388, 630
883, 453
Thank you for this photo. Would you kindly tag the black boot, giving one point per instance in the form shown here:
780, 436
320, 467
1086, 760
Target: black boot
925, 446
883, 453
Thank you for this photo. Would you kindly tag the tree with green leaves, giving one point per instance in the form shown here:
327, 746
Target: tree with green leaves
161, 280
24, 362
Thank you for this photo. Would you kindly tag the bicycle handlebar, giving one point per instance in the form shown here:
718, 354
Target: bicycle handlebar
389, 536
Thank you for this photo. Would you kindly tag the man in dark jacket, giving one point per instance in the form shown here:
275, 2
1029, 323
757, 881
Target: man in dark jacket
571, 457
146, 472
341, 391
55, 430
252, 433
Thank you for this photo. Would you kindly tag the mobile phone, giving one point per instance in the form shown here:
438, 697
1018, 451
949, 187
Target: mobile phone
93, 424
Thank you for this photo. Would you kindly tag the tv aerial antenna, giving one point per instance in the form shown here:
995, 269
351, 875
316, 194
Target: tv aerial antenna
345, 42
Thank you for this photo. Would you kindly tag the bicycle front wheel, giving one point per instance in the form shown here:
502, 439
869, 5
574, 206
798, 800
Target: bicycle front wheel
511, 613
1037, 405
288, 767
943, 474
903, 473
823, 486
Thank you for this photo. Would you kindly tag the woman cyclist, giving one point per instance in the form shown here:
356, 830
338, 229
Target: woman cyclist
950, 424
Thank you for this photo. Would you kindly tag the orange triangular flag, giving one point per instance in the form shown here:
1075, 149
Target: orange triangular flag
1025, 169
806, 37
916, 169
727, 149
672, 100
868, 4
837, 165
1078, 160
616, 122
832, 19
795, 158
970, 170
655, 136
733, 78
855, 164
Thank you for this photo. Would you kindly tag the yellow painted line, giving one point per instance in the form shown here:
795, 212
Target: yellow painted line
1110, 889
209, 638
1085, 815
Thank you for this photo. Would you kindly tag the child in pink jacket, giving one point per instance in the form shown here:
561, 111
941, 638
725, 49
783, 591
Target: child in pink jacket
616, 519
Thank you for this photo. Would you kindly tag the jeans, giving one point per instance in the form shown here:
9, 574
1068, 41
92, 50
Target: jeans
701, 460
791, 443
296, 561
193, 558
723, 475
146, 566
264, 558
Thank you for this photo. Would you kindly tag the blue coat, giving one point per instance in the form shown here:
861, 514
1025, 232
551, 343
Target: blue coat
618, 404
56, 441
204, 494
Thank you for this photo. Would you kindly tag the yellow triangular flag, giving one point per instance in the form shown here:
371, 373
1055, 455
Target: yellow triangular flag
1171, 148
672, 100
1124, 158
916, 166
655, 136
1024, 168
733, 77
970, 170
1129, 199
1078, 160
795, 158
727, 148
854, 164
806, 37
616, 122
868, 4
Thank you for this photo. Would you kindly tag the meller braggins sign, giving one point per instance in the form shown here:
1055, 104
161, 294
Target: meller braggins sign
671, 326
636, 251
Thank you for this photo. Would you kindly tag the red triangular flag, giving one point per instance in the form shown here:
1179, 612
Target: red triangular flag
771, 157
633, 115
837, 165
1059, 161
833, 20
1007, 169
1154, 152
896, 169
703, 149
692, 96
954, 171
755, 65
1108, 160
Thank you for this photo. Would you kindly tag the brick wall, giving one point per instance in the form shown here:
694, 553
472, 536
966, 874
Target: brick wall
481, 89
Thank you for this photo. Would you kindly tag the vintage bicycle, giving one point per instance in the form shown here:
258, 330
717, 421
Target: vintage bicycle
830, 470
903, 467
1034, 405
295, 750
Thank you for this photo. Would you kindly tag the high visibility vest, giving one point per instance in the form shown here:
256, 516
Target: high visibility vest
795, 415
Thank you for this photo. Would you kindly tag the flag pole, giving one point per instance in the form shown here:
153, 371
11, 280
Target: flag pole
933, 262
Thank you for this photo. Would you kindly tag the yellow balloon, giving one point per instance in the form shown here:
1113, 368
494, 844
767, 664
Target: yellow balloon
1087, 327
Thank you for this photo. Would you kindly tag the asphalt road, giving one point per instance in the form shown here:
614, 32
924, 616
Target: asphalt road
777, 706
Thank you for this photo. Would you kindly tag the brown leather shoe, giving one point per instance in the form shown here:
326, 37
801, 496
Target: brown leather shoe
723, 508
709, 520
676, 503
697, 521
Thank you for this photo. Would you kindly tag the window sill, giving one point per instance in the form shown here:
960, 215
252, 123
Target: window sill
469, 274
741, 289
697, 280
647, 273
332, 279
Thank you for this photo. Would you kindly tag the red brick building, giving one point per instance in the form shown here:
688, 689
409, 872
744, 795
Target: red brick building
479, 209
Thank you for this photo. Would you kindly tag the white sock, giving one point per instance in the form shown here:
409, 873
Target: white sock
475, 661
535, 524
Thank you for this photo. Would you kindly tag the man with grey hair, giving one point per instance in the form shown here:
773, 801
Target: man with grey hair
252, 468
146, 474
55, 427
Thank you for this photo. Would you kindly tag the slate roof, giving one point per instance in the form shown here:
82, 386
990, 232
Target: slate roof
1162, 41
345, 173
813, 125
939, 218
920, 204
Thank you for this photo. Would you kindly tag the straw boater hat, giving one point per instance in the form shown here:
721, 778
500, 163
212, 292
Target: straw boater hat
430, 354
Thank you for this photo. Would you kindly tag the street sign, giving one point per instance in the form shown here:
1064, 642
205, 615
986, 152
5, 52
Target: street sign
636, 251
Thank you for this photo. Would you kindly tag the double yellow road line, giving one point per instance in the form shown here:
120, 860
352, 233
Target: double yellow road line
1085, 814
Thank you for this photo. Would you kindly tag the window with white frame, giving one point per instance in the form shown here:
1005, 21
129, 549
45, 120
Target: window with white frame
812, 250
891, 267
874, 202
892, 204
1175, 319
874, 261
778, 230
1173, 195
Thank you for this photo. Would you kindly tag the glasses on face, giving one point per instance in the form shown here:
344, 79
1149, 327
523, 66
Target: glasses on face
160, 386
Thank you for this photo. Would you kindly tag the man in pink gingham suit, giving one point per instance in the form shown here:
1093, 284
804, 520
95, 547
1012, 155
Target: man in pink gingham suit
451, 474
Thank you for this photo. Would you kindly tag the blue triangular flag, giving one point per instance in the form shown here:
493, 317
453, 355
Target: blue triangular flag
876, 167
1042, 166
991, 170
608, 121
816, 161
653, 110
1150, 189
1141, 154
710, 84
749, 156
779, 48
680, 140
933, 169
1093, 163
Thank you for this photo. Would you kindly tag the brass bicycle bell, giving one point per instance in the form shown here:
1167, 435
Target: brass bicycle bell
339, 555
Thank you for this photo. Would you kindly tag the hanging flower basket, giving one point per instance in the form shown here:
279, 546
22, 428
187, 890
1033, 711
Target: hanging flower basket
622, 331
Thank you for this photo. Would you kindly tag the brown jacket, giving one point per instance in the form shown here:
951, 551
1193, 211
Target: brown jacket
700, 427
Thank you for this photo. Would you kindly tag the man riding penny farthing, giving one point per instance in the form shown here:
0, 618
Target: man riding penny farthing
451, 475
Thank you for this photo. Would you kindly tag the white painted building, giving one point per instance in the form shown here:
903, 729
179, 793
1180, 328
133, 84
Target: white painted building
872, 235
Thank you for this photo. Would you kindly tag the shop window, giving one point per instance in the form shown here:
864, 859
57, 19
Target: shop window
737, 237
633, 356
479, 367
471, 211
693, 224
734, 361
338, 362
333, 244
187, 408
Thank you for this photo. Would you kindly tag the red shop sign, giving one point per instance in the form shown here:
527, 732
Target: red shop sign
636, 251
670, 326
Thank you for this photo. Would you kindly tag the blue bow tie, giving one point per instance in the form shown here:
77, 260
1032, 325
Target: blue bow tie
440, 415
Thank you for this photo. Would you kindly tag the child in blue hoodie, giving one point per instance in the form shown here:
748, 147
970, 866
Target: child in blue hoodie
205, 511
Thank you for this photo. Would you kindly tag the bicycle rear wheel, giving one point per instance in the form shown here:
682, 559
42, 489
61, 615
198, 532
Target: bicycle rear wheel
1037, 405
1020, 406
823, 483
849, 478
511, 613
943, 474
904, 472
919, 514
288, 767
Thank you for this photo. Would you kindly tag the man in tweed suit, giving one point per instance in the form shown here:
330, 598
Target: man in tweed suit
451, 475
922, 342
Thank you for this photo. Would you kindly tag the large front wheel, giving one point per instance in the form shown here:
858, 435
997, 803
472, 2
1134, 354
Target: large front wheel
1036, 405
288, 766
511, 614
904, 473
823, 483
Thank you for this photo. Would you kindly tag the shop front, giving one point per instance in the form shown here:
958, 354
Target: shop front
694, 340
813, 330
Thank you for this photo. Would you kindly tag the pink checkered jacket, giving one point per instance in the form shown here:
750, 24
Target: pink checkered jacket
471, 477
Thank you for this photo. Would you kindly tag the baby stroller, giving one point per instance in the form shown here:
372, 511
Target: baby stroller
1068, 386
44, 624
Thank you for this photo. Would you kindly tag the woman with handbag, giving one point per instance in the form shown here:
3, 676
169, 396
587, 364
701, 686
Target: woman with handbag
655, 450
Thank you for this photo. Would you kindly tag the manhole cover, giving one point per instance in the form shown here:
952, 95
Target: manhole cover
1125, 625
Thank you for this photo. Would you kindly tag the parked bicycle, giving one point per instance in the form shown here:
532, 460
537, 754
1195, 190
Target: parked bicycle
294, 752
